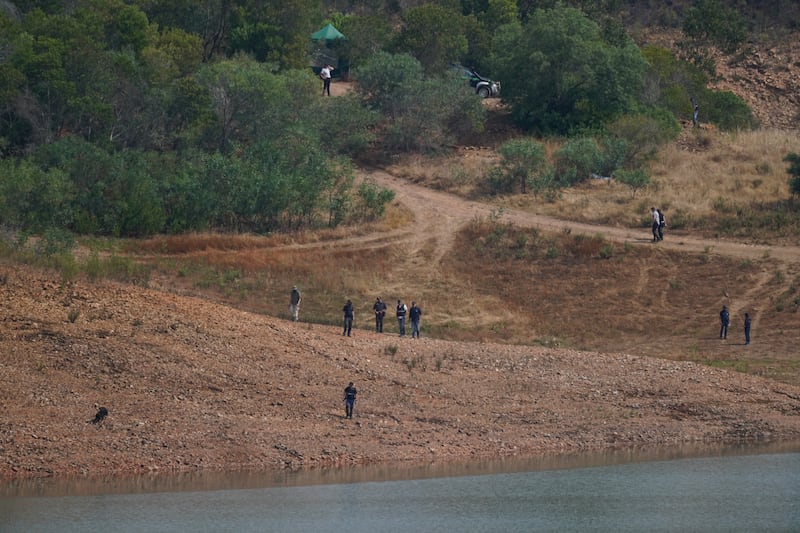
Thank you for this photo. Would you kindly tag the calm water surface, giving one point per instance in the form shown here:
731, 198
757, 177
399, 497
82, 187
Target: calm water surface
720, 493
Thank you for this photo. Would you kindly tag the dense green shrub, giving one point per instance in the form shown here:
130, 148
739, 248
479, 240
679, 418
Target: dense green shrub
728, 111
522, 161
638, 137
371, 201
577, 160
419, 113
434, 34
560, 74
712, 22
635, 179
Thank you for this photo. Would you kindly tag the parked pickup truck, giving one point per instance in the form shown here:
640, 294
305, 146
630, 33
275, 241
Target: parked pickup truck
483, 86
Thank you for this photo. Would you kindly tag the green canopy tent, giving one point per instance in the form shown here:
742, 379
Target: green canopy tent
327, 33
325, 52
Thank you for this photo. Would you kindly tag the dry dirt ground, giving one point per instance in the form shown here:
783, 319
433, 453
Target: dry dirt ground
191, 384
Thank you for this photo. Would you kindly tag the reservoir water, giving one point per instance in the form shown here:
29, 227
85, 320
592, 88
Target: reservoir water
745, 493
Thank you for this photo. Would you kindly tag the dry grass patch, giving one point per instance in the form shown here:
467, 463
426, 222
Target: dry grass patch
574, 290
459, 173
696, 181
741, 172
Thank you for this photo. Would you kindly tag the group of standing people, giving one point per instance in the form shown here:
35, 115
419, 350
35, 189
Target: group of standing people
725, 321
401, 312
659, 222
379, 308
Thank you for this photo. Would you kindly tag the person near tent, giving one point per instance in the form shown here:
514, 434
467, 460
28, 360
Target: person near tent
325, 75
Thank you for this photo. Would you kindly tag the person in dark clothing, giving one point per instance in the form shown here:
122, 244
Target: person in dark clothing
747, 328
662, 221
415, 314
401, 317
380, 312
349, 400
101, 414
294, 303
347, 310
724, 322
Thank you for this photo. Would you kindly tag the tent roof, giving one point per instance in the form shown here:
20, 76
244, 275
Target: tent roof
327, 33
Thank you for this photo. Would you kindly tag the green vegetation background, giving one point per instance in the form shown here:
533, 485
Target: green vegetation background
144, 117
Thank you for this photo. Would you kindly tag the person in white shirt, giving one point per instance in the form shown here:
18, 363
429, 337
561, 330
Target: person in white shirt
325, 74
656, 222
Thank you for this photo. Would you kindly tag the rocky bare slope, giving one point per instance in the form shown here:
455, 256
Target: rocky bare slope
194, 385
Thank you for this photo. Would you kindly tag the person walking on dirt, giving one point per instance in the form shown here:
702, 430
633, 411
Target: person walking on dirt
349, 315
662, 221
325, 75
294, 303
380, 311
415, 314
349, 400
747, 328
401, 317
724, 322
656, 219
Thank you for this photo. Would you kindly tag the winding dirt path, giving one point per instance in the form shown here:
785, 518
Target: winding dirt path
438, 215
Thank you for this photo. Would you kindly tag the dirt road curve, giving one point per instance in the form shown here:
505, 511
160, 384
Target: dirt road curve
438, 215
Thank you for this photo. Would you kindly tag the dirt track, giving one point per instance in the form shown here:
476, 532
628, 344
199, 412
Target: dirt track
438, 215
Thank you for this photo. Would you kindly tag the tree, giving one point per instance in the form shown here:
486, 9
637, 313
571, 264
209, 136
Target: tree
711, 22
208, 19
276, 30
559, 74
577, 160
635, 179
729, 111
249, 101
643, 134
350, 125
671, 83
419, 113
434, 34
34, 198
521, 160
366, 36
385, 81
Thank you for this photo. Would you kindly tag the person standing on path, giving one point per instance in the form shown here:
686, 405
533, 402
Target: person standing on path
401, 317
349, 315
325, 75
747, 328
294, 303
380, 311
349, 400
415, 314
724, 322
662, 221
656, 220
